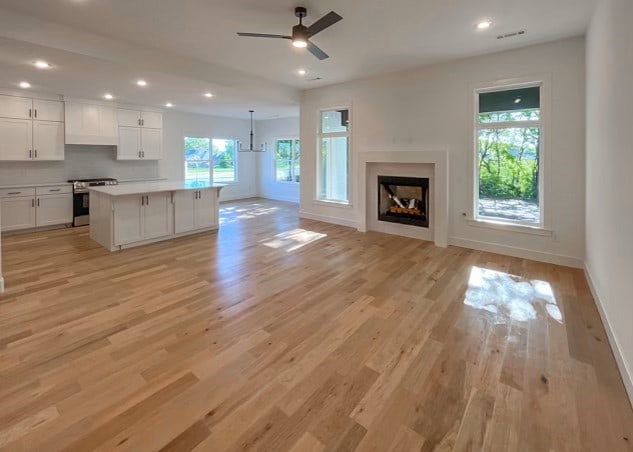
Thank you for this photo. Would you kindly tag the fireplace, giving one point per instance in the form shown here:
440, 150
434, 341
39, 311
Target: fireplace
404, 200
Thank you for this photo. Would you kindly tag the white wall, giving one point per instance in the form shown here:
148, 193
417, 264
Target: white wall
433, 107
267, 132
177, 125
609, 222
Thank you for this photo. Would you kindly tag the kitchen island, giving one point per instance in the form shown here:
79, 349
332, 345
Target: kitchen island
128, 215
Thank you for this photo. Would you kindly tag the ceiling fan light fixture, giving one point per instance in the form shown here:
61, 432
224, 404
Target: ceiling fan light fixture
300, 36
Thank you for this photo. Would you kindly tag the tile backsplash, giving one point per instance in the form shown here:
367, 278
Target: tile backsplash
81, 162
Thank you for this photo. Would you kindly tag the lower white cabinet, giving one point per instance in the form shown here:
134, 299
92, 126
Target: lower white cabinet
31, 207
54, 209
142, 217
195, 210
18, 213
125, 216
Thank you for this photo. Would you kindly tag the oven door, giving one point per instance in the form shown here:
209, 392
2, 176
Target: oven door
81, 208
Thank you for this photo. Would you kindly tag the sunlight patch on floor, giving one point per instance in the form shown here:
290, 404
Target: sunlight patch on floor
231, 214
509, 297
292, 240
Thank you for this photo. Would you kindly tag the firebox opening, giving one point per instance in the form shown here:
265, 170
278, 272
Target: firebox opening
403, 200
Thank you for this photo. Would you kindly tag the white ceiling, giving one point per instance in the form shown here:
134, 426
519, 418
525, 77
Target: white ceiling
186, 47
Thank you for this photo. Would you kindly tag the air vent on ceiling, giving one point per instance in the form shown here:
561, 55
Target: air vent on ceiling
512, 34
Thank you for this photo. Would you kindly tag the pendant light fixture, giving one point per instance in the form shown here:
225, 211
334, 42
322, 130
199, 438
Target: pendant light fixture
251, 149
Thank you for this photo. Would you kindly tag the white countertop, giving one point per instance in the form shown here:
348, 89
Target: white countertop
51, 184
152, 187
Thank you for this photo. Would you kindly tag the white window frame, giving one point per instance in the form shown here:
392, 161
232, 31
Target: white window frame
184, 153
320, 135
542, 124
295, 138
236, 146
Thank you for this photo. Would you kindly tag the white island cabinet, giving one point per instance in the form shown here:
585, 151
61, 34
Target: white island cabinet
127, 215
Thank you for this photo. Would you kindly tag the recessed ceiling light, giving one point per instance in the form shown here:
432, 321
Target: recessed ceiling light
41, 64
25, 85
141, 82
108, 96
208, 95
169, 105
301, 72
484, 24
517, 100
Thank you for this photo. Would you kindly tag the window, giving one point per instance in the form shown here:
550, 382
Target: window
197, 159
333, 164
205, 158
508, 148
287, 155
224, 161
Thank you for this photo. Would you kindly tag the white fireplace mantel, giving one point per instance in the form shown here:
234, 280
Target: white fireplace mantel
437, 158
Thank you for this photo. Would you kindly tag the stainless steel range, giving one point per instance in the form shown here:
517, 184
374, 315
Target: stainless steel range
81, 198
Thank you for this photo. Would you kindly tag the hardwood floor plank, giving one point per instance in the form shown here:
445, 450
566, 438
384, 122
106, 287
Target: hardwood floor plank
278, 333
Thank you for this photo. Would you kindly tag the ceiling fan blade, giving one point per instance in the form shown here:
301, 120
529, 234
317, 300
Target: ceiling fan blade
314, 50
263, 35
326, 21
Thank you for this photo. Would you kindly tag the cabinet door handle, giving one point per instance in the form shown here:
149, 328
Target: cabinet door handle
38, 202
36, 153
142, 200
55, 189
143, 154
14, 193
32, 203
30, 113
30, 154
142, 122
147, 200
36, 112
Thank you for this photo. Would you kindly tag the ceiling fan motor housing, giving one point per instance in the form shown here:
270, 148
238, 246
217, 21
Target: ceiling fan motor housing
301, 12
300, 33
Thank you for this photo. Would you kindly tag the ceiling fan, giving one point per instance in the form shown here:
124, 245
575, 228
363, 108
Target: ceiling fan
301, 33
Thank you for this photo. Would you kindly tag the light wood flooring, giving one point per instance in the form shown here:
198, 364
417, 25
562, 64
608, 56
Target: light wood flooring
284, 334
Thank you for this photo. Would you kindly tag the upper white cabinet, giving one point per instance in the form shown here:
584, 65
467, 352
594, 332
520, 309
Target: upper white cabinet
91, 124
48, 110
16, 139
137, 118
151, 120
48, 140
31, 129
16, 107
140, 135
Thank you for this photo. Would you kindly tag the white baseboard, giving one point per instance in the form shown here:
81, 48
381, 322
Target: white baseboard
625, 373
327, 219
568, 261
1, 284
276, 197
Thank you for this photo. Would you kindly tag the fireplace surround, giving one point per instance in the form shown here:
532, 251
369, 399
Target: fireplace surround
410, 162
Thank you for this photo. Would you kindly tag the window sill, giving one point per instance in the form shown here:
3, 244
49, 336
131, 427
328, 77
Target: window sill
510, 227
340, 204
